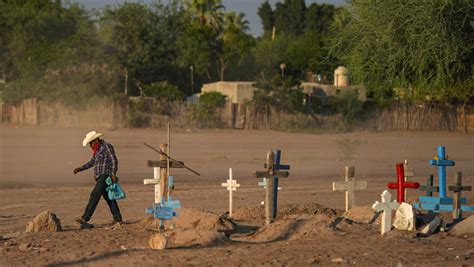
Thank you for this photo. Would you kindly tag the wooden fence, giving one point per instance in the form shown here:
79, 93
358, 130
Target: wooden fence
397, 117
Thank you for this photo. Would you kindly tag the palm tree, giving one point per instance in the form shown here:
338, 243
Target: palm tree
207, 12
237, 21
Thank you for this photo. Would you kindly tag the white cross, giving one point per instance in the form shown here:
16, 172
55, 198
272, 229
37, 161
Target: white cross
386, 206
157, 182
350, 185
231, 186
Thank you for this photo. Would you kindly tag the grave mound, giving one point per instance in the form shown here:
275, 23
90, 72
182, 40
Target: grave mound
466, 227
258, 213
294, 227
195, 219
182, 238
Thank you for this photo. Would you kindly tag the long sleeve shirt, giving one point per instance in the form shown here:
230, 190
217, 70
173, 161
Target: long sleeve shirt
104, 161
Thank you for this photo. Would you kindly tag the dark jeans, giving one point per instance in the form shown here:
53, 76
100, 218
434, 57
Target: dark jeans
97, 192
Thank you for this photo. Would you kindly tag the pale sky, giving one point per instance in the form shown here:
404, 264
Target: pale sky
249, 7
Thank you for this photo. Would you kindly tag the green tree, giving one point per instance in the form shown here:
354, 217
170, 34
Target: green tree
290, 17
206, 12
130, 31
422, 47
319, 18
235, 43
267, 17
269, 55
36, 35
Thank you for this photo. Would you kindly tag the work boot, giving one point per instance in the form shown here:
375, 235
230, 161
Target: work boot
84, 224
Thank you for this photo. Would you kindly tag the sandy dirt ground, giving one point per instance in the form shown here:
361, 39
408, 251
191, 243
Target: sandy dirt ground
36, 175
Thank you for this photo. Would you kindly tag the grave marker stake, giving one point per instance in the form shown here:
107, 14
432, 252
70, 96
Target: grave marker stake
457, 188
429, 188
442, 202
231, 185
386, 206
273, 171
401, 184
349, 185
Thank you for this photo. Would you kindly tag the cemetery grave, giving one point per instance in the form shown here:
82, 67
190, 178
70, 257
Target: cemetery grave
177, 227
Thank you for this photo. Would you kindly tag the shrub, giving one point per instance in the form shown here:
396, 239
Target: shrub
163, 91
211, 100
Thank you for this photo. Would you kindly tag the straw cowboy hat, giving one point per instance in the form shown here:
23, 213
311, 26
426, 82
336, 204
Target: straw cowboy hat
90, 136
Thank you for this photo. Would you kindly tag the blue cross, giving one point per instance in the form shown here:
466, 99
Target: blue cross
165, 209
442, 162
441, 202
276, 167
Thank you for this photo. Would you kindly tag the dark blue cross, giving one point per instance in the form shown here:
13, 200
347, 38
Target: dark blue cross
276, 167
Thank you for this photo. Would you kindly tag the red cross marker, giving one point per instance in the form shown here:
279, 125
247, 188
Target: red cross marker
402, 184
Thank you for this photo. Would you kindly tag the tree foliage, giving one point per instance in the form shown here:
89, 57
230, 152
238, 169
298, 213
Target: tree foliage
424, 48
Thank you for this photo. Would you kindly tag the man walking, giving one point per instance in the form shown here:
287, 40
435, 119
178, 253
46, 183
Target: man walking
105, 165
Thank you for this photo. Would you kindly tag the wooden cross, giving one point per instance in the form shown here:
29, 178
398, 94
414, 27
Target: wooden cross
231, 185
156, 181
429, 188
401, 184
386, 206
409, 172
349, 185
274, 168
457, 188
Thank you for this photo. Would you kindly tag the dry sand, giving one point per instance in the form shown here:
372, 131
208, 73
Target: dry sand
36, 174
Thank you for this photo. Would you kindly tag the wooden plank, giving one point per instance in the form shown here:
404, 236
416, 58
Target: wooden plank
163, 164
265, 174
163, 173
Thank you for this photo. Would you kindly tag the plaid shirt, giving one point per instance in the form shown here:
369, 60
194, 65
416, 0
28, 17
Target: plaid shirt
104, 160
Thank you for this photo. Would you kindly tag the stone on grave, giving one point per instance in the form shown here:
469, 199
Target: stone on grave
465, 227
362, 214
44, 222
431, 227
158, 241
405, 218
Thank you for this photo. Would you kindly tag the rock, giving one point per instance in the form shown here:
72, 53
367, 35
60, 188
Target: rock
193, 237
405, 217
465, 227
44, 222
158, 241
469, 255
361, 214
24, 247
337, 260
43, 249
431, 227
